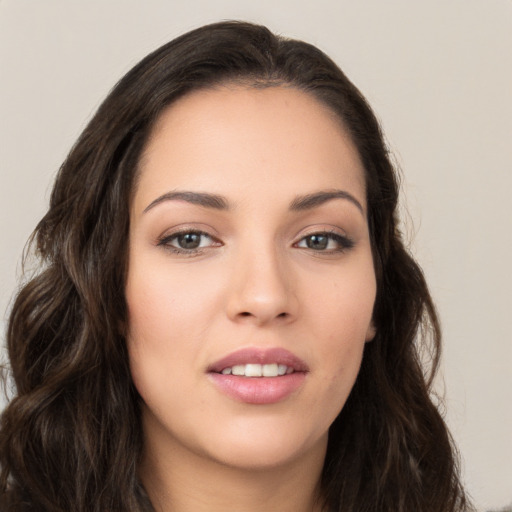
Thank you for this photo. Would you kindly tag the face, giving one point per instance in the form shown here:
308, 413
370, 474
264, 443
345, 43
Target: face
250, 286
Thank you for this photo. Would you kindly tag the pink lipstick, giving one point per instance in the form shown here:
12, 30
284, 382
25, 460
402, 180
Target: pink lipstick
258, 376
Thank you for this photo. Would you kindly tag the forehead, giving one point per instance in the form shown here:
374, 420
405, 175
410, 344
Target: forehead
235, 140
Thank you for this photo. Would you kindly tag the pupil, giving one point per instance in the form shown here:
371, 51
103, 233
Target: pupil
317, 242
189, 240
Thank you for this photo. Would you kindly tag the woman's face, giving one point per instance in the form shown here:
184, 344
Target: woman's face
251, 285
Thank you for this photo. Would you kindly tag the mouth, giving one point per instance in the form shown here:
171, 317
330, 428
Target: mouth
258, 370
258, 376
256, 362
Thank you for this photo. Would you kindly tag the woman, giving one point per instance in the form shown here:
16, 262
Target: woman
226, 316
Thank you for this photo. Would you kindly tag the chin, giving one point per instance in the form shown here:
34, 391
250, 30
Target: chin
258, 446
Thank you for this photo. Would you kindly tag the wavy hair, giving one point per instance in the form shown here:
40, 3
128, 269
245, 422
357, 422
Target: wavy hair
71, 437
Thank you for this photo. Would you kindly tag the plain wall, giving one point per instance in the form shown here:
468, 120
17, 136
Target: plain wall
439, 76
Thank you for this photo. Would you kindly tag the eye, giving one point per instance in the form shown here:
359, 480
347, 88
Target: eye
325, 242
187, 241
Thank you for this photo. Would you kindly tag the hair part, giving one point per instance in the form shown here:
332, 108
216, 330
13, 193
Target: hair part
71, 438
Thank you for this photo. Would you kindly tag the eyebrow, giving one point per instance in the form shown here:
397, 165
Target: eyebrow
199, 198
217, 202
310, 201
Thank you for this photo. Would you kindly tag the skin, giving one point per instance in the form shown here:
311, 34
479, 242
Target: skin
253, 282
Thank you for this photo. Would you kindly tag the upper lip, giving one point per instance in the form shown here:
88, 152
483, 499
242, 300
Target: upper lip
259, 356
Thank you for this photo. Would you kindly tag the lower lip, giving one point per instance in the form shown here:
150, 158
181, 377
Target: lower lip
258, 390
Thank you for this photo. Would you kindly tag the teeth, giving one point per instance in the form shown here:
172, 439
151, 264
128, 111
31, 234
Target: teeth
258, 370
253, 370
270, 370
238, 369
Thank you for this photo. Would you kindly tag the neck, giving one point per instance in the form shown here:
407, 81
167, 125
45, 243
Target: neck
179, 481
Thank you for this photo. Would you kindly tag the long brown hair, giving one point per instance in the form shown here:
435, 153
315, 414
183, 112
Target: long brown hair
70, 439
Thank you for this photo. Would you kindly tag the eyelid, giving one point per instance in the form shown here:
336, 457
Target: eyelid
317, 229
334, 234
185, 227
164, 240
344, 241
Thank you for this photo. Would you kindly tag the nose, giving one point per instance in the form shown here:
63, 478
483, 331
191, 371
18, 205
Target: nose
261, 289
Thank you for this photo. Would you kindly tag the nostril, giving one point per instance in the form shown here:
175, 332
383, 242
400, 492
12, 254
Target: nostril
246, 314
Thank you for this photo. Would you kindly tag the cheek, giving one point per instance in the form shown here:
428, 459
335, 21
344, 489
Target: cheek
168, 322
160, 353
342, 307
342, 316
165, 302
155, 328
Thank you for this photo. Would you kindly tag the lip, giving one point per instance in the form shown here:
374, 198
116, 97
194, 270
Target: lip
259, 356
258, 390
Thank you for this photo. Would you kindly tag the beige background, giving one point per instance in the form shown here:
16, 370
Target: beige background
438, 73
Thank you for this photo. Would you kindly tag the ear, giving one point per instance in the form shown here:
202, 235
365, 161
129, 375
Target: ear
371, 332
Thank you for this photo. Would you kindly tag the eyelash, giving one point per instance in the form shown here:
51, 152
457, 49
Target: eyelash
166, 241
343, 242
